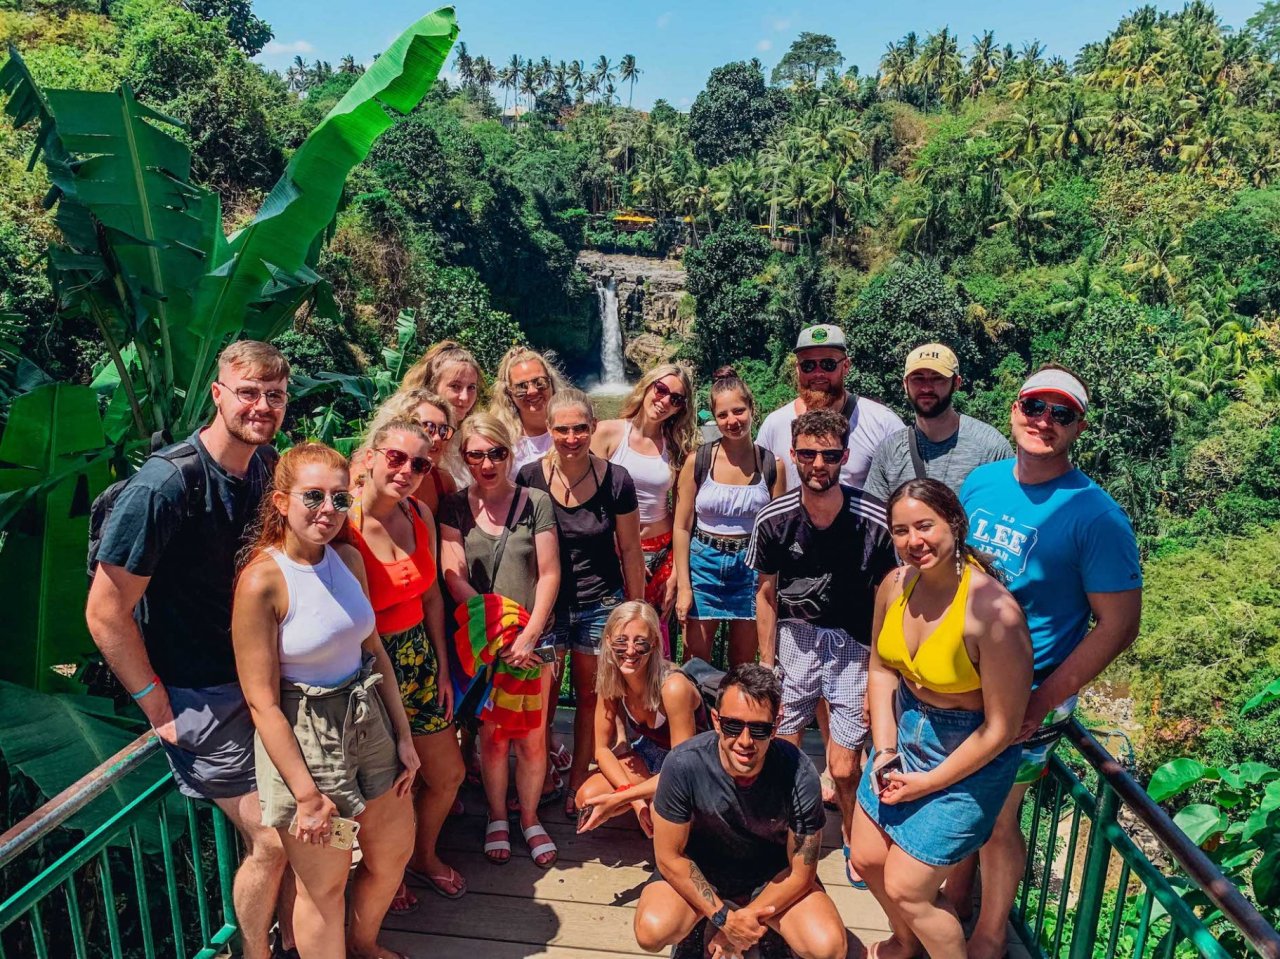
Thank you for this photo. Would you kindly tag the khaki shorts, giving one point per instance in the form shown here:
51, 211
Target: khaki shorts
347, 743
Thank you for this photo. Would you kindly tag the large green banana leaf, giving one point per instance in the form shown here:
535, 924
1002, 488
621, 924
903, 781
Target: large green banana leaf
54, 740
54, 463
282, 238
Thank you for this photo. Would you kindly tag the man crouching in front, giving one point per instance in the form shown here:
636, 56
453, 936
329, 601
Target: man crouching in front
737, 825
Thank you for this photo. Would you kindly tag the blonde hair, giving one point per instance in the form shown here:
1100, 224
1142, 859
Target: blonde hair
429, 370
569, 398
487, 426
399, 409
680, 430
503, 405
254, 356
609, 681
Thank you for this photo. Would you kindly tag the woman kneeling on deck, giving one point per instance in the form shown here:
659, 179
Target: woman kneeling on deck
333, 739
660, 708
943, 720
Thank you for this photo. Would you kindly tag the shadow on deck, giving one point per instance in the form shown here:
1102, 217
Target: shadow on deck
583, 905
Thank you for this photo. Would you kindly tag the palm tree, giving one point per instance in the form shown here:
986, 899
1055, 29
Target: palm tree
296, 75
575, 75
1156, 262
1072, 128
603, 72
484, 73
829, 184
509, 78
1022, 219
348, 65
560, 79
463, 63
895, 70
628, 72
590, 84
982, 64
530, 82
735, 187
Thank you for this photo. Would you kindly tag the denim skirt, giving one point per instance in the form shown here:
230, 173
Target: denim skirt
724, 586
944, 827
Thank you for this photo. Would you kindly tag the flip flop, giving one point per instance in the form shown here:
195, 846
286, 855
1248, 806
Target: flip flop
561, 758
848, 871
403, 902
495, 827
540, 844
434, 883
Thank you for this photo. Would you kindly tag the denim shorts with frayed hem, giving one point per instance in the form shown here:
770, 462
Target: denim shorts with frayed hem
581, 630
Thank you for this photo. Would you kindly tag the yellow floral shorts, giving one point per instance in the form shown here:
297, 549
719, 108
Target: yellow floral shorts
414, 660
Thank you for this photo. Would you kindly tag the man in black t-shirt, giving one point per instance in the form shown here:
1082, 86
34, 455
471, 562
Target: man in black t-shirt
160, 609
737, 823
820, 552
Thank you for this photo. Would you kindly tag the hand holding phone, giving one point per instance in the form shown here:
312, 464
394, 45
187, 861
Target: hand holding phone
892, 763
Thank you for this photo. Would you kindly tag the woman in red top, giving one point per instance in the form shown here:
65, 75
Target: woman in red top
396, 536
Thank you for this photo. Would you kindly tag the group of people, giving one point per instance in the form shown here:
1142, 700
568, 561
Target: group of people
329, 646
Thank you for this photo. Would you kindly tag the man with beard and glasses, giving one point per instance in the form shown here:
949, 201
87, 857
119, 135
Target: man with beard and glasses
822, 364
160, 606
737, 833
821, 551
1067, 553
948, 445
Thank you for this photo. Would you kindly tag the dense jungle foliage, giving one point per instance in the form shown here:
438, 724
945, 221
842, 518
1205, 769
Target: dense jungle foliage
1119, 212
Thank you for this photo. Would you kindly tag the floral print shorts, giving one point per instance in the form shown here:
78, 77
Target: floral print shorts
414, 660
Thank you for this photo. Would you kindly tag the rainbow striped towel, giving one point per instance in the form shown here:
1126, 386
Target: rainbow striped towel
507, 696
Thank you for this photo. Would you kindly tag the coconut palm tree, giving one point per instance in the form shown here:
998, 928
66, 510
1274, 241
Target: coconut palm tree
1155, 264
464, 65
603, 72
531, 82
895, 70
296, 76
983, 71
735, 188
1020, 216
1071, 131
628, 72
574, 75
485, 73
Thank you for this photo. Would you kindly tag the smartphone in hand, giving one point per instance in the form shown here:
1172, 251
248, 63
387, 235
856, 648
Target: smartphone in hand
892, 765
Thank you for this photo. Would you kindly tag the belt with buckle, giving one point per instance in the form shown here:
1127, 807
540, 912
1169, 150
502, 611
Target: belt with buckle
723, 543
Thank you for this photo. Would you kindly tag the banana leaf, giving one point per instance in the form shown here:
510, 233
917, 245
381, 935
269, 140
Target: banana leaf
283, 237
54, 740
54, 461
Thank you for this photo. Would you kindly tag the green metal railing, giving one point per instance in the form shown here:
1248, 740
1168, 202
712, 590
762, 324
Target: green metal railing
1090, 891
151, 877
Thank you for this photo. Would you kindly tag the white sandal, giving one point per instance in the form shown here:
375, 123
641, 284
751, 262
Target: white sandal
497, 826
536, 848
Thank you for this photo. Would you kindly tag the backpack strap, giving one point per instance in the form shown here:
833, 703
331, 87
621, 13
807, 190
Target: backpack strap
702, 462
768, 466
186, 458
913, 444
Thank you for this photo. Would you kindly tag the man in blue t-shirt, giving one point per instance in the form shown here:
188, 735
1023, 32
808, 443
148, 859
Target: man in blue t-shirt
1069, 556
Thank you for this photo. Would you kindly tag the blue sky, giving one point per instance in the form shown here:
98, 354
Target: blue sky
676, 44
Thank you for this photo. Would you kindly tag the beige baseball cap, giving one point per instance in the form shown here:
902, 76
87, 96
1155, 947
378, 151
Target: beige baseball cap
932, 356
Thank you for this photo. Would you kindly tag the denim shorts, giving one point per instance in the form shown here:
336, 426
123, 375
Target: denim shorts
649, 753
944, 827
724, 586
581, 630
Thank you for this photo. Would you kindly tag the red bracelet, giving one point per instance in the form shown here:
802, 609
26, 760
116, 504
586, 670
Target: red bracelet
622, 789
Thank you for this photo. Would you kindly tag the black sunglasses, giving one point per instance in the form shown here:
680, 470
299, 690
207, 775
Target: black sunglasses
313, 499
827, 365
732, 728
830, 457
1033, 406
664, 392
577, 429
418, 465
496, 454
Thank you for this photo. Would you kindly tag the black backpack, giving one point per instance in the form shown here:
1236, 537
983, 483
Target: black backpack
706, 678
186, 458
702, 464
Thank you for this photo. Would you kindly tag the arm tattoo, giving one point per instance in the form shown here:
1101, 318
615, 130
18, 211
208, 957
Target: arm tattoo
700, 883
810, 846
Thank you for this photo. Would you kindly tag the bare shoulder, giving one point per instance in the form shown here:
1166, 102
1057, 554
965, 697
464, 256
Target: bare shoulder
607, 433
260, 579
679, 690
990, 602
891, 586
352, 558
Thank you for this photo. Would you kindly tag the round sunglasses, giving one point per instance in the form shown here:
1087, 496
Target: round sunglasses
418, 465
313, 499
439, 431
535, 385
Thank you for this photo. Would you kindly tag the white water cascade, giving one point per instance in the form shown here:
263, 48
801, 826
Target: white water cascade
613, 376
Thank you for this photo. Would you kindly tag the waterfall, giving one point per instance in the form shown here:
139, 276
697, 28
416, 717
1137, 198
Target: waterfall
613, 372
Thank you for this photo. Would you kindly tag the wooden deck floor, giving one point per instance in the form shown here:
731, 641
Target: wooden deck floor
582, 907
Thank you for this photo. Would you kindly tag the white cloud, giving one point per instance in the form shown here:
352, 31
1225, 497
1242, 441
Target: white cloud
665, 20
765, 45
277, 49
781, 23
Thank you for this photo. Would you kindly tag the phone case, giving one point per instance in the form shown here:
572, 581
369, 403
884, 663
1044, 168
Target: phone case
342, 832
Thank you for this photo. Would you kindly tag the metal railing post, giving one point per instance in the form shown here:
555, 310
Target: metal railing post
1093, 881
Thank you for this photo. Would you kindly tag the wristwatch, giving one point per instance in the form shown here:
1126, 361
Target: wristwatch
720, 916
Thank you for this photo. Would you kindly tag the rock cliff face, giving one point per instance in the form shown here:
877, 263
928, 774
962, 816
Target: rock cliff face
649, 294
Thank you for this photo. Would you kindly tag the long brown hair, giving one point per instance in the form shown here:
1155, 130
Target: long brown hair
942, 499
680, 430
269, 530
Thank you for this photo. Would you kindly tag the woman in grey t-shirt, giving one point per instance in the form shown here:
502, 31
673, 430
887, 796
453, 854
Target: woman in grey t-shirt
500, 539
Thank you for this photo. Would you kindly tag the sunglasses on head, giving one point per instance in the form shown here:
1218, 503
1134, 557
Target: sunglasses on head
830, 457
313, 499
1033, 407
826, 364
641, 645
249, 396
577, 429
418, 465
732, 728
664, 392
535, 385
496, 454
439, 431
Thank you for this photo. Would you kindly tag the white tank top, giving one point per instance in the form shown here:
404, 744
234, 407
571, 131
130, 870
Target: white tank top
651, 475
329, 617
726, 510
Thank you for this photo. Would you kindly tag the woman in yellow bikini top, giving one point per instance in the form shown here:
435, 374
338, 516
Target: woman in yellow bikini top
941, 661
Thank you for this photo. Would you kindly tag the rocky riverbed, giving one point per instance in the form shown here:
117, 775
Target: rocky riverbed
649, 295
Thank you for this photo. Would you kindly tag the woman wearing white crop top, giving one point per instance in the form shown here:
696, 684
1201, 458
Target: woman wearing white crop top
651, 440
311, 665
719, 494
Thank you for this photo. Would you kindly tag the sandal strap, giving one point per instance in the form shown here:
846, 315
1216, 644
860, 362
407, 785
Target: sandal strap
536, 849
497, 825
